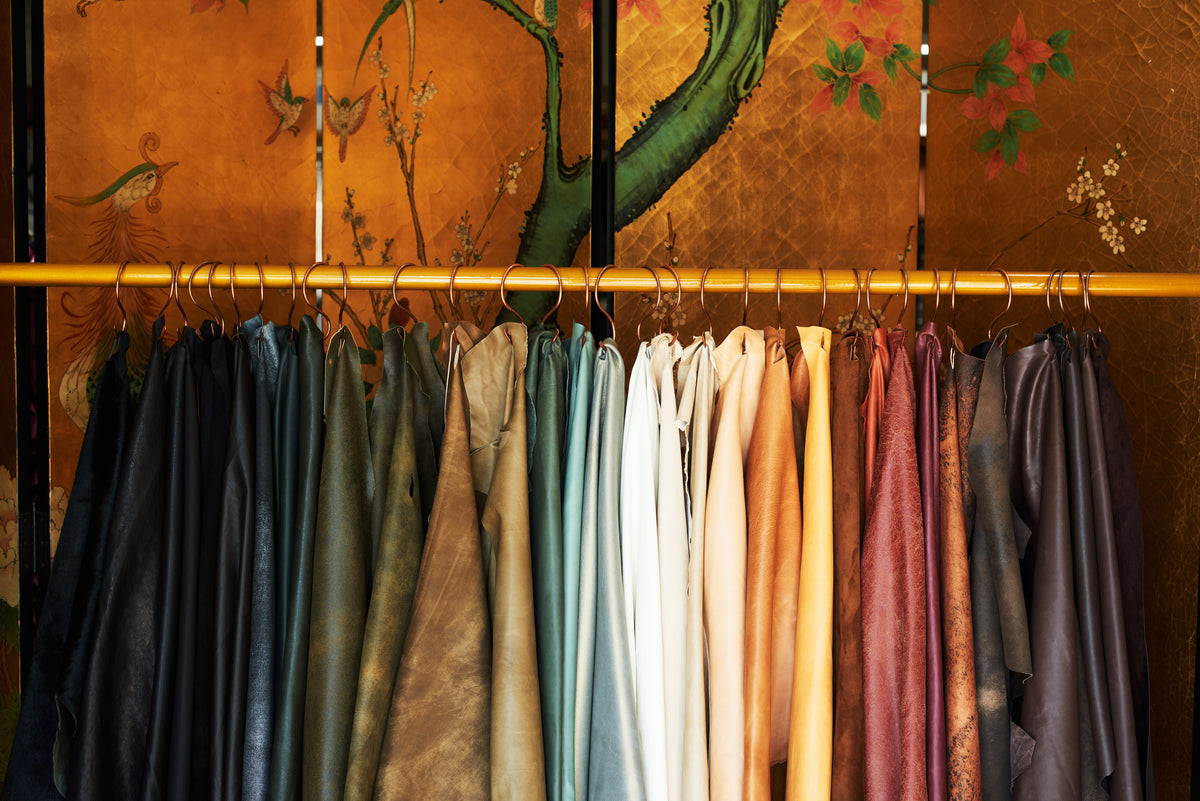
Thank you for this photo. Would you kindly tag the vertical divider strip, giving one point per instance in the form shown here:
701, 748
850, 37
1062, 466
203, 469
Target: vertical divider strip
922, 156
604, 125
33, 447
320, 150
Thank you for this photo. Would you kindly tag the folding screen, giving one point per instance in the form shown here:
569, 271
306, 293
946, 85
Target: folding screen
781, 134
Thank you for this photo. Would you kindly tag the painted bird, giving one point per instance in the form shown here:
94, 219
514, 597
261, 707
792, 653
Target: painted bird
142, 181
117, 235
283, 105
345, 118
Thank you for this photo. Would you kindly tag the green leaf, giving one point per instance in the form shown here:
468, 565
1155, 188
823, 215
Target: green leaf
375, 337
903, 52
987, 142
1062, 66
996, 53
870, 102
834, 54
824, 73
1058, 39
1037, 74
841, 90
1009, 144
1024, 120
366, 356
889, 67
1002, 76
980, 86
854, 57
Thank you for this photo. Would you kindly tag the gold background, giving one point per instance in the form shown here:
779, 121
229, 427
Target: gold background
1135, 84
782, 188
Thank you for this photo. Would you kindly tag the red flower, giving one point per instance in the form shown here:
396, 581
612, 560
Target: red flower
824, 99
992, 107
869, 77
996, 164
648, 8
1022, 92
848, 32
1022, 51
887, 8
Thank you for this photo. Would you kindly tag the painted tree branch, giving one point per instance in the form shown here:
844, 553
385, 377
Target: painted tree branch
678, 131
561, 214
681, 128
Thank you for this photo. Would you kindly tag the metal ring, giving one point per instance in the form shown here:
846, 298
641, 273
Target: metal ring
678, 300
657, 302
117, 292
396, 280
345, 293
937, 289
612, 324
954, 299
876, 317
262, 288
304, 292
503, 299
558, 302
779, 298
233, 294
212, 270
1007, 283
745, 294
825, 294
292, 308
703, 307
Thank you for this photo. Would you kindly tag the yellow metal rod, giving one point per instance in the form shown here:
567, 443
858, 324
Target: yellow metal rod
624, 279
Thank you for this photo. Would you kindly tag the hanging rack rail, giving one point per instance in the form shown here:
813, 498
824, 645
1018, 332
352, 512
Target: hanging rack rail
621, 279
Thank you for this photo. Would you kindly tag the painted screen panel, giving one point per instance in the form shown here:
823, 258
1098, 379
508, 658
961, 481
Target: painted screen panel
1087, 161
456, 136
174, 131
798, 172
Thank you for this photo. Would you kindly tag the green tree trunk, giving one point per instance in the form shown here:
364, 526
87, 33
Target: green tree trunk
663, 147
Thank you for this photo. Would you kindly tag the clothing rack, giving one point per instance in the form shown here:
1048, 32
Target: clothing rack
751, 280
